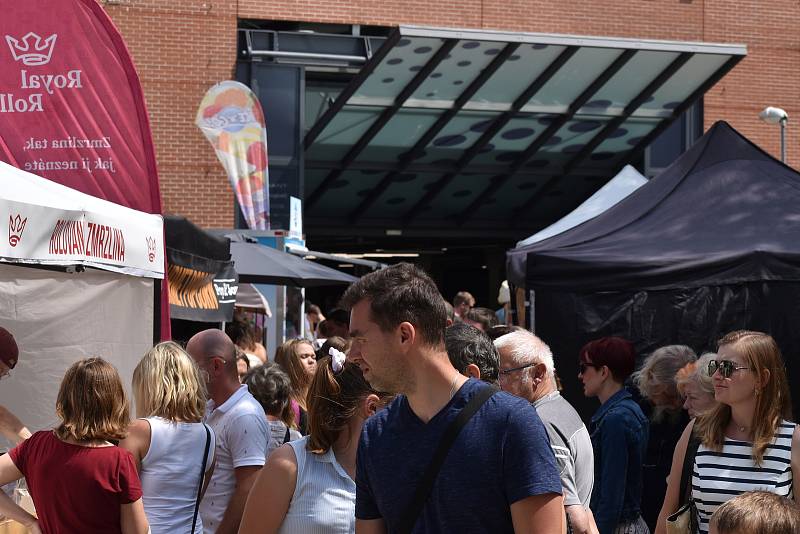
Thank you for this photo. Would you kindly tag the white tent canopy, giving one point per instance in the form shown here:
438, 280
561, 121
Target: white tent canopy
623, 184
51, 224
60, 316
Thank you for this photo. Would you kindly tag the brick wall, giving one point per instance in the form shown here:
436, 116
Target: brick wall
183, 47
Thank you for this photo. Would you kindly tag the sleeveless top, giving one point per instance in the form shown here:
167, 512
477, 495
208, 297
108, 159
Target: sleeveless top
720, 476
170, 474
324, 499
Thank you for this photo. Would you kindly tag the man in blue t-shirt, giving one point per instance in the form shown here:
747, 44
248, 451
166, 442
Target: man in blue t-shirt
499, 475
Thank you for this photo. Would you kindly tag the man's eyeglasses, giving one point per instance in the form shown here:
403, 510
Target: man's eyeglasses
520, 368
583, 365
725, 367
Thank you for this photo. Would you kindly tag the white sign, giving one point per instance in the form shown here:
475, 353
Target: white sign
295, 218
51, 224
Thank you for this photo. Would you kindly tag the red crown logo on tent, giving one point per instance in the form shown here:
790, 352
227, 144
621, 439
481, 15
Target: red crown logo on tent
151, 249
16, 225
33, 50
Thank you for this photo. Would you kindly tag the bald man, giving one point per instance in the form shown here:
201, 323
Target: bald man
11, 427
241, 429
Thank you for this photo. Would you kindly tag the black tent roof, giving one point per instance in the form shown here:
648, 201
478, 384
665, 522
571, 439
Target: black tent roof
725, 212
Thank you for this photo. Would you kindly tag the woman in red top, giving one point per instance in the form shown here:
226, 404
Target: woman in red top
79, 479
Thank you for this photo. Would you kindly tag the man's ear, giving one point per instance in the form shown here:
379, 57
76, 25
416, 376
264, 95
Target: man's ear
472, 371
539, 373
370, 405
408, 334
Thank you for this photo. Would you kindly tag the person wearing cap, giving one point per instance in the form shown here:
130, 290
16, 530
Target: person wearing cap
10, 426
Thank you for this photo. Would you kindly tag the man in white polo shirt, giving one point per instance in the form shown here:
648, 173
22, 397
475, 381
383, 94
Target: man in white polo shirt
241, 429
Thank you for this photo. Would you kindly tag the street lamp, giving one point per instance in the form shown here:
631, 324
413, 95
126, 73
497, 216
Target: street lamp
777, 116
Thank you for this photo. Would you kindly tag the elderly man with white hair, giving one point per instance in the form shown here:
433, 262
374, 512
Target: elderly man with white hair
527, 371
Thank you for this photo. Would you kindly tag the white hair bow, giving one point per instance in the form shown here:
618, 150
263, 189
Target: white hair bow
337, 359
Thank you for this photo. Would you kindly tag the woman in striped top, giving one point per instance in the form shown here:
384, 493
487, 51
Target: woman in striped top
308, 485
746, 442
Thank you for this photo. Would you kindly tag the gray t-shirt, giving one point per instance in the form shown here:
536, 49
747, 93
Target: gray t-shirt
571, 446
277, 430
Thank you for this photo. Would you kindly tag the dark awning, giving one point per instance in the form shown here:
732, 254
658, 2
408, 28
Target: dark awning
451, 128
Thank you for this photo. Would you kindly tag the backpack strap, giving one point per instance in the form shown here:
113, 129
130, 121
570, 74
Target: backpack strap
425, 485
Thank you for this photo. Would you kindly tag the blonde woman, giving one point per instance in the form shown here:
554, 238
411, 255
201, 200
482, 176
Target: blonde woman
173, 449
79, 480
747, 441
696, 386
298, 359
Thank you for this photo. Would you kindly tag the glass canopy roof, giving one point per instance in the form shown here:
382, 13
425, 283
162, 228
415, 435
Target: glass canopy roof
463, 126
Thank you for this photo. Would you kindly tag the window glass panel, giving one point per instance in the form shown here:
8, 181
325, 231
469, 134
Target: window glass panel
642, 69
516, 74
397, 69
459, 194
462, 65
341, 133
404, 192
398, 135
347, 192
458, 135
684, 82
566, 143
622, 141
574, 77
515, 137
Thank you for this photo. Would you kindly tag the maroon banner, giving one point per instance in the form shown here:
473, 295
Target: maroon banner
71, 104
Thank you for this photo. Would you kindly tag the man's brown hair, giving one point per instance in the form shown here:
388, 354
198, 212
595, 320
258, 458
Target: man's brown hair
402, 293
758, 512
91, 403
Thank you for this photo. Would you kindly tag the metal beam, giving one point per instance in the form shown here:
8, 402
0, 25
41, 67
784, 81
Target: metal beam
646, 140
434, 130
493, 129
581, 100
385, 116
350, 89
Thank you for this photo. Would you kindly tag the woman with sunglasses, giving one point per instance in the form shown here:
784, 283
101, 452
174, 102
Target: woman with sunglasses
746, 442
619, 432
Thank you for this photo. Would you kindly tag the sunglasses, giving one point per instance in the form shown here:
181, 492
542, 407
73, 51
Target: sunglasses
725, 368
582, 366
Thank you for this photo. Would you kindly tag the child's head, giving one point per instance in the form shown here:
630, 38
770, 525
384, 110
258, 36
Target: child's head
756, 512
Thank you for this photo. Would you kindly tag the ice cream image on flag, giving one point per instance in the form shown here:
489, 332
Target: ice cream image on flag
230, 116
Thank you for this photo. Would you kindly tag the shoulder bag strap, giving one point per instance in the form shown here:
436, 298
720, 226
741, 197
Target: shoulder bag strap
202, 475
425, 485
686, 472
287, 436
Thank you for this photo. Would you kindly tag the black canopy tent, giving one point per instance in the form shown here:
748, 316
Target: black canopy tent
708, 246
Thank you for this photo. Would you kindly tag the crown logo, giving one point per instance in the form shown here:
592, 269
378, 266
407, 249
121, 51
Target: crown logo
16, 225
151, 249
33, 50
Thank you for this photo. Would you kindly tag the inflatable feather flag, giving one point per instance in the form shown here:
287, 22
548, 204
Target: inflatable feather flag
230, 116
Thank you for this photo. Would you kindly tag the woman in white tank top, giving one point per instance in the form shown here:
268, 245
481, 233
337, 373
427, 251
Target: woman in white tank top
169, 443
746, 441
308, 485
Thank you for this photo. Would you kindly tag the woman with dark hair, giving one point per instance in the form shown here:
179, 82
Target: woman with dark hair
79, 479
270, 386
308, 485
746, 441
298, 359
619, 436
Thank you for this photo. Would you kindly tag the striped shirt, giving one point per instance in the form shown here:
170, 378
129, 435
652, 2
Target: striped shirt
324, 499
721, 476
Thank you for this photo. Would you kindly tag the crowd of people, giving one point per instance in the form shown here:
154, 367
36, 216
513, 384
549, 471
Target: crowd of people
414, 415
